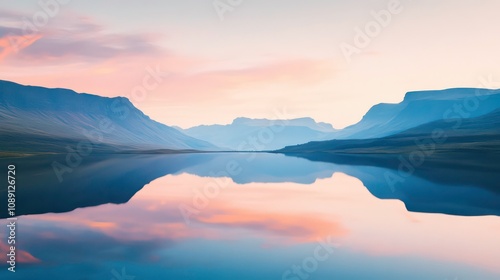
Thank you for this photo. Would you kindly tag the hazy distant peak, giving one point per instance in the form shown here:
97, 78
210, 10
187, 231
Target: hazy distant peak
448, 94
304, 121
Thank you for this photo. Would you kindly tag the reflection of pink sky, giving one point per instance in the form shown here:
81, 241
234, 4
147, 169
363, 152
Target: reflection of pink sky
290, 213
21, 255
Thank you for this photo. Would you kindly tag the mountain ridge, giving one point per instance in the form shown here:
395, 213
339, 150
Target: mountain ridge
32, 111
65, 115
385, 119
453, 135
265, 133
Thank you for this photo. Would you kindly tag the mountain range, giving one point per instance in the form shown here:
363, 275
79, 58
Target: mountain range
37, 119
422, 107
245, 134
42, 120
479, 135
417, 109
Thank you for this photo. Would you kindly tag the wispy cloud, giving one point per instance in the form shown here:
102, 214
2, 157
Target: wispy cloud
80, 38
13, 44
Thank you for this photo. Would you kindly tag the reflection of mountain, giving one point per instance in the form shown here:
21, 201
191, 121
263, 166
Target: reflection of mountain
457, 187
457, 157
116, 178
437, 187
260, 168
36, 119
266, 134
98, 180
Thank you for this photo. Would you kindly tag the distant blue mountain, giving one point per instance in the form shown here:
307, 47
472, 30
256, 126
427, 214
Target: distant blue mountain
479, 135
300, 122
41, 119
381, 120
420, 108
246, 134
47, 120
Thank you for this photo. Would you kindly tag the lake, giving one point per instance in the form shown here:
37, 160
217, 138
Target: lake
252, 216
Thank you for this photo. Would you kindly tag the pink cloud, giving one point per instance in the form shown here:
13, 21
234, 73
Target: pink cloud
12, 44
76, 39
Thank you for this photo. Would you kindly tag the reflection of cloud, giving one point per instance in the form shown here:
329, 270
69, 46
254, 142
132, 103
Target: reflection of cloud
154, 214
102, 225
147, 226
297, 227
63, 243
147, 220
21, 255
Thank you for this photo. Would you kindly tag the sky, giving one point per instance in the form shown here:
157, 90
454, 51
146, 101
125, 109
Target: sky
194, 62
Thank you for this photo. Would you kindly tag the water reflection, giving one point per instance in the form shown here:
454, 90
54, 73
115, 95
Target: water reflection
267, 216
115, 179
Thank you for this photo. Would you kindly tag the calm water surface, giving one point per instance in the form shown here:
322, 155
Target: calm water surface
252, 216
